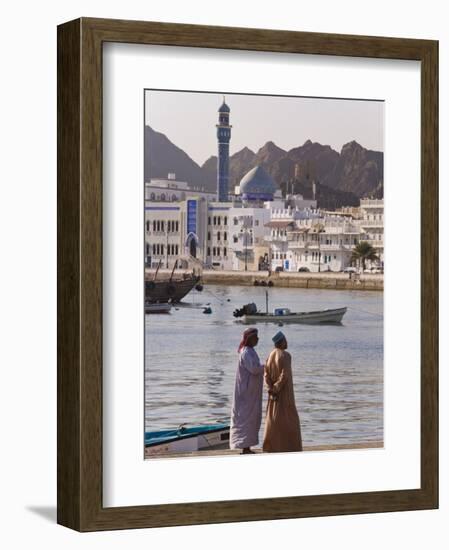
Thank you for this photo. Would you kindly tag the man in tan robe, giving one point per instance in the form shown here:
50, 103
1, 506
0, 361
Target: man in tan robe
282, 427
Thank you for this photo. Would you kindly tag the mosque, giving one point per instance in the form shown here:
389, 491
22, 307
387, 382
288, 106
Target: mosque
223, 230
246, 229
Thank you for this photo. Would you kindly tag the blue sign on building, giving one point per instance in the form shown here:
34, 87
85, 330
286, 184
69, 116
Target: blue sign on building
191, 216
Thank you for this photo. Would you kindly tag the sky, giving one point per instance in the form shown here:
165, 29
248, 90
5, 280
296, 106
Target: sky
188, 119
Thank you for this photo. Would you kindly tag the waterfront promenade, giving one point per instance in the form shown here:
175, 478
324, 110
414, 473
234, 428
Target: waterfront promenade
330, 280
285, 279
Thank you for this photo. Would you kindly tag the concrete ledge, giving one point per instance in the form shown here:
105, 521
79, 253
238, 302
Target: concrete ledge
334, 281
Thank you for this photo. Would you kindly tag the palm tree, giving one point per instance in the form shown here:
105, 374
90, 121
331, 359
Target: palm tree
362, 252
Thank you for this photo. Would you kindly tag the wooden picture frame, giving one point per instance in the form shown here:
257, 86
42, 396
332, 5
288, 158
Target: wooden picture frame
80, 351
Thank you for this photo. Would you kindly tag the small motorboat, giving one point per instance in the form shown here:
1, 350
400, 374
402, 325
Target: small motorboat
250, 314
186, 439
284, 315
156, 307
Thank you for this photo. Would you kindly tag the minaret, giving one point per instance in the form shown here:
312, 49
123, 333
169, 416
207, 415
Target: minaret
223, 136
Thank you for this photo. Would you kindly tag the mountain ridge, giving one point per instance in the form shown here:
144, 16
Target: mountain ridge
353, 173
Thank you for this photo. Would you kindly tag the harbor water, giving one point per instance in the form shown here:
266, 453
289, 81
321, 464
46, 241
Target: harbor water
191, 360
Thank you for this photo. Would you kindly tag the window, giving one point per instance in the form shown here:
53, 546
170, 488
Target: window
213, 251
147, 248
162, 226
157, 249
226, 220
177, 227
148, 225
236, 221
168, 226
177, 248
219, 220
256, 223
152, 197
225, 252
215, 220
208, 250
225, 236
208, 235
218, 251
162, 249
162, 196
218, 236
208, 220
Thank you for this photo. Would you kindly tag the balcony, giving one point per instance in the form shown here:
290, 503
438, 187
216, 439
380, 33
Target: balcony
371, 223
276, 238
375, 243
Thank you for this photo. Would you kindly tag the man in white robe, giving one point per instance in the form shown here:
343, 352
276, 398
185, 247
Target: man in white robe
246, 415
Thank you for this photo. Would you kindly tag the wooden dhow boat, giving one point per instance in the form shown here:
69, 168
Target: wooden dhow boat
172, 289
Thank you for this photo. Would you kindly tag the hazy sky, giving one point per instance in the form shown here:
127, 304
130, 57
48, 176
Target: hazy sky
188, 120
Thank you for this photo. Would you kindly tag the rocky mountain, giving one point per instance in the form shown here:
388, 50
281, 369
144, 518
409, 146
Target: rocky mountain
341, 178
161, 157
358, 170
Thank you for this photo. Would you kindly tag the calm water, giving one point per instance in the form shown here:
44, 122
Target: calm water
191, 359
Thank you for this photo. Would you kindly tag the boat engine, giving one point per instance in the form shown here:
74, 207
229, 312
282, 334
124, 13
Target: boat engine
247, 309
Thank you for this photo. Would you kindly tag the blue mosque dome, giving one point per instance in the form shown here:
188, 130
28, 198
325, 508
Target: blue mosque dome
257, 185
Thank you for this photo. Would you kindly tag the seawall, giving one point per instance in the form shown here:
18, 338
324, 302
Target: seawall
333, 281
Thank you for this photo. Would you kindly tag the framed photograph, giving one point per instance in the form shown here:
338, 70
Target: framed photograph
247, 274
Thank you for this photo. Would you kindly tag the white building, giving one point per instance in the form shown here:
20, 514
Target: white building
321, 244
372, 223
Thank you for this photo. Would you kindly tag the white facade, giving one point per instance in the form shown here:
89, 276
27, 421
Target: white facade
372, 223
247, 236
321, 244
280, 234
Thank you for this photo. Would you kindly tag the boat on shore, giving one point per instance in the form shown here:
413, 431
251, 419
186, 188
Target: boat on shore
172, 289
157, 307
187, 439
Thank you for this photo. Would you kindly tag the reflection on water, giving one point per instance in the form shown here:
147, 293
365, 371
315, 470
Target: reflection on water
191, 358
